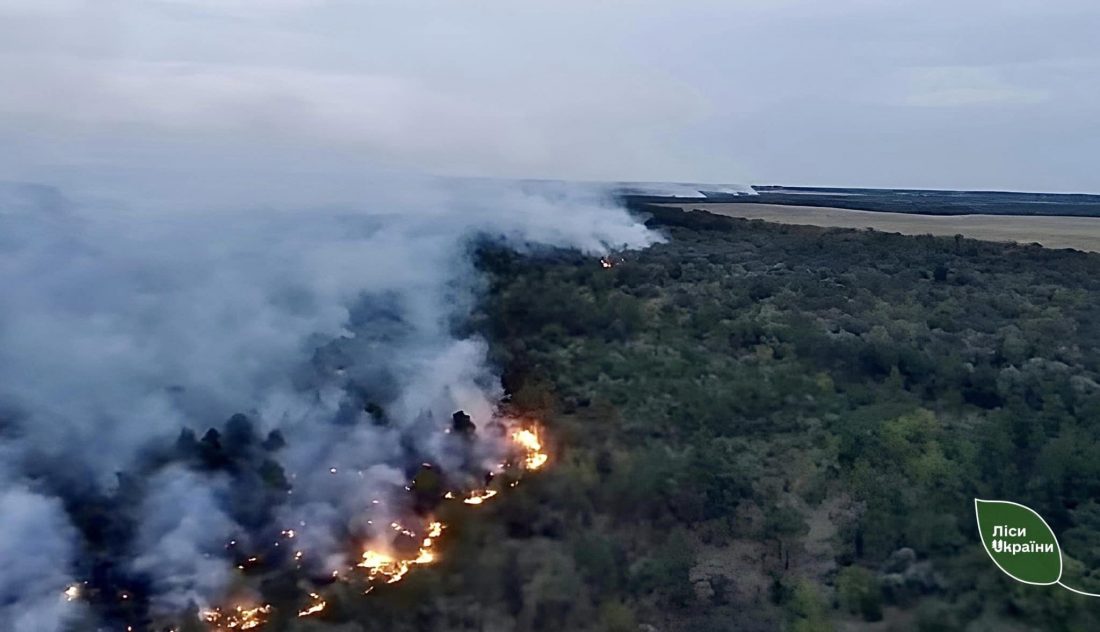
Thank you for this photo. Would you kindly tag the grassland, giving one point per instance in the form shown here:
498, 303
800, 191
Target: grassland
1082, 233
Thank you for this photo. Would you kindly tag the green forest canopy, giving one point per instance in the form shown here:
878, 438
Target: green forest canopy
762, 427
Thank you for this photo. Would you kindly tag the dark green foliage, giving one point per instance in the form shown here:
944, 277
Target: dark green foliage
858, 592
719, 401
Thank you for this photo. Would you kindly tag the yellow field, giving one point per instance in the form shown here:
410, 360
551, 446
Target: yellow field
1082, 233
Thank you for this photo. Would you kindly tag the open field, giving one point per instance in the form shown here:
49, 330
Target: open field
1082, 233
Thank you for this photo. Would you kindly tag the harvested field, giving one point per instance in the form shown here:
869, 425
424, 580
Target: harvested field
1082, 233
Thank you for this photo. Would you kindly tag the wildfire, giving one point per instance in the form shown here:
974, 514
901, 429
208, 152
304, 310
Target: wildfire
381, 560
435, 529
237, 618
529, 440
381, 565
530, 444
317, 606
72, 593
398, 528
478, 497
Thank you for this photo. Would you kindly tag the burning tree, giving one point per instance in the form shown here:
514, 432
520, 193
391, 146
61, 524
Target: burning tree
394, 549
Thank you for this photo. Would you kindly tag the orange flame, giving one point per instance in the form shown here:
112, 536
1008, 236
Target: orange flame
236, 618
317, 606
379, 562
479, 496
529, 440
381, 565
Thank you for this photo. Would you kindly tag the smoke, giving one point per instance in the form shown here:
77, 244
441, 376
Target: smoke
325, 329
36, 551
182, 538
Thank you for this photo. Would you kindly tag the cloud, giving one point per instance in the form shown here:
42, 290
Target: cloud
953, 87
687, 91
244, 6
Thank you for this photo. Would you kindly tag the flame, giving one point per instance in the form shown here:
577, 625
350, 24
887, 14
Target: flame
611, 261
378, 559
72, 593
317, 606
529, 440
402, 530
236, 618
530, 444
381, 565
478, 497
435, 529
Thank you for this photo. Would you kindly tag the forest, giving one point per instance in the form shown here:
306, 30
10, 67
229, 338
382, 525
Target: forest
765, 427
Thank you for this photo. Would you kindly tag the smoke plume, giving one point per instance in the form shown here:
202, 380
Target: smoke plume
323, 333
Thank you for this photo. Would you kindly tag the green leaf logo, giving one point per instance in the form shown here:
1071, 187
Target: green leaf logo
1019, 541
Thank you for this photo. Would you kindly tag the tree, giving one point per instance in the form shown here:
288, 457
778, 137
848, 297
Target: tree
807, 609
784, 523
939, 273
616, 616
859, 593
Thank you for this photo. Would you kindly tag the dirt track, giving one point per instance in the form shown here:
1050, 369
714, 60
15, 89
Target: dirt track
1082, 233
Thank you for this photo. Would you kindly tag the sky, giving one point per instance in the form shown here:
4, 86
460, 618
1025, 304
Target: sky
984, 94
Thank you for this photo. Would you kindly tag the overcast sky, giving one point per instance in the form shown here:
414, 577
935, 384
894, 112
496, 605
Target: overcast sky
923, 93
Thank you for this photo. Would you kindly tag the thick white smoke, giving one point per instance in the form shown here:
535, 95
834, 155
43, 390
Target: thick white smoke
125, 320
36, 551
182, 538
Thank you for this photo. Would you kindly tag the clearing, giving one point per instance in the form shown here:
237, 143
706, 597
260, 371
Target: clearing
1082, 233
